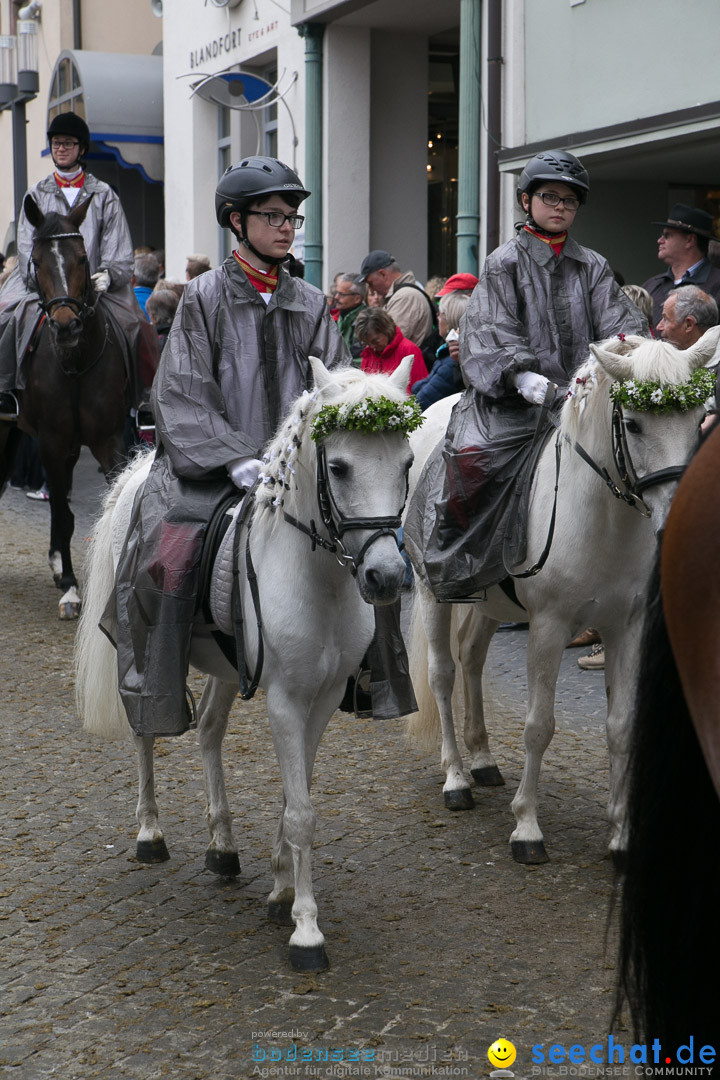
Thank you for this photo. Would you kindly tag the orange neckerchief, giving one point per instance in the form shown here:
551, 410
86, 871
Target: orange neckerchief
263, 282
78, 181
555, 241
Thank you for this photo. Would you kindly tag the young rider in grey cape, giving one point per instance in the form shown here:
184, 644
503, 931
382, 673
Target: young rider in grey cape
235, 360
110, 263
541, 299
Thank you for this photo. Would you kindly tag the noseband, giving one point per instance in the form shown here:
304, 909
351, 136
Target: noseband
83, 309
337, 524
635, 485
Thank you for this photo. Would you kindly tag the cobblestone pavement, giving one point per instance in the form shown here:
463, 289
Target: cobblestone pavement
439, 943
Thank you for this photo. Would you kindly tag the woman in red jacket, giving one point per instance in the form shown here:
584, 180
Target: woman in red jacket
385, 345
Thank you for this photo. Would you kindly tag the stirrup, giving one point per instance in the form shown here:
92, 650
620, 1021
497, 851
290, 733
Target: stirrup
362, 697
9, 406
144, 419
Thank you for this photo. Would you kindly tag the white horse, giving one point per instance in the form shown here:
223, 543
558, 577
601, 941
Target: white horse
315, 588
595, 575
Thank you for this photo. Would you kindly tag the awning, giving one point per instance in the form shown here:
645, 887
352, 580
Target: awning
120, 96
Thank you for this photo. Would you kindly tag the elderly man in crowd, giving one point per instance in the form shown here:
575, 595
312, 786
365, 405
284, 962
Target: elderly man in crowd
146, 271
686, 314
408, 304
349, 299
683, 245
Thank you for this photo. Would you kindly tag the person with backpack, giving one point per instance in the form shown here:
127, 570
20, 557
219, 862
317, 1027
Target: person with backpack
407, 303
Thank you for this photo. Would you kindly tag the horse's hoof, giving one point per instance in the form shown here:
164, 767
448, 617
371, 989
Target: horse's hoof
69, 610
620, 860
152, 851
529, 852
459, 799
313, 958
280, 912
223, 863
490, 776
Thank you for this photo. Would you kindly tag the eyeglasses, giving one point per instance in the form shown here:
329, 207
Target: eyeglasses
277, 220
63, 144
569, 202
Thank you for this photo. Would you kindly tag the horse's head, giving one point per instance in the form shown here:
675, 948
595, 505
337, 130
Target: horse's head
342, 458
657, 393
61, 269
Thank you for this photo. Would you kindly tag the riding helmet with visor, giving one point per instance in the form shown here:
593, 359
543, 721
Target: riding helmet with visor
556, 165
72, 125
251, 179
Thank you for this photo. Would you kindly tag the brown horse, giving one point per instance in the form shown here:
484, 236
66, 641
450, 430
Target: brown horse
670, 932
76, 383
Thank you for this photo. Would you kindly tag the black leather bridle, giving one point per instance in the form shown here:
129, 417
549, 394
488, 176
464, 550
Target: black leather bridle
84, 309
337, 524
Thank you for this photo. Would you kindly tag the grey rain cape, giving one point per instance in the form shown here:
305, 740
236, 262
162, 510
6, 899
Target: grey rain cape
531, 311
109, 247
230, 370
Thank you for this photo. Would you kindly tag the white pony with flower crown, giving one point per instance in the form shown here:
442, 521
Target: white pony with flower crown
635, 409
321, 561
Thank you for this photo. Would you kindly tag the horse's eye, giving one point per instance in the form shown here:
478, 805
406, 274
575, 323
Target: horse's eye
633, 427
338, 469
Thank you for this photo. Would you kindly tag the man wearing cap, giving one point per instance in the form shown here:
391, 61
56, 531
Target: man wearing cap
410, 306
683, 245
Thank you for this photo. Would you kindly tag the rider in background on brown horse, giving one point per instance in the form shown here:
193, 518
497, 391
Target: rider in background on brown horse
110, 263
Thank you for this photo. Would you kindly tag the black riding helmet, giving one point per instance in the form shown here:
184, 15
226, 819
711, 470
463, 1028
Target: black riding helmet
69, 123
251, 179
554, 165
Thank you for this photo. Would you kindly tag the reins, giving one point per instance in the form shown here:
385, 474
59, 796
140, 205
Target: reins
628, 491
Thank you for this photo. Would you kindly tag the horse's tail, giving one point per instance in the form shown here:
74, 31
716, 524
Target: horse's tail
96, 695
423, 726
670, 946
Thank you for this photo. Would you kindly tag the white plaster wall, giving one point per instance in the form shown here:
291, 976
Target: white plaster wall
191, 125
398, 149
606, 61
346, 210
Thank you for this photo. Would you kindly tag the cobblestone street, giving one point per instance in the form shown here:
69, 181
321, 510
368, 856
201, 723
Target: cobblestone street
439, 943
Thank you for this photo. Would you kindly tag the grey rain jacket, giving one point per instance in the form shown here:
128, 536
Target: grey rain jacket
109, 247
531, 311
230, 369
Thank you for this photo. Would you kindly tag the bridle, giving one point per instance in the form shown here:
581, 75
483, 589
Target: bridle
84, 309
629, 490
337, 524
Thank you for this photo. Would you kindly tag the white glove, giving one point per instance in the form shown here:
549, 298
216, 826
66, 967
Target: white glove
243, 472
101, 281
531, 386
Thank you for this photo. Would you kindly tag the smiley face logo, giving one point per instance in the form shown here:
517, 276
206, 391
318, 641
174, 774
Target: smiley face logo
502, 1054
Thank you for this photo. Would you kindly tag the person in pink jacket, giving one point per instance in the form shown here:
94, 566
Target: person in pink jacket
385, 345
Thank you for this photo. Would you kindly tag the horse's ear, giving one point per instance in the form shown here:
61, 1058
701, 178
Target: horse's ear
77, 214
401, 375
619, 367
705, 351
32, 211
321, 375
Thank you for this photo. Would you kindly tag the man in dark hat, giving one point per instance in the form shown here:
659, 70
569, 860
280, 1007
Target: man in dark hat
683, 245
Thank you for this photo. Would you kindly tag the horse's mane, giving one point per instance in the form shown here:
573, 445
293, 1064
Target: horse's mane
652, 359
287, 451
52, 224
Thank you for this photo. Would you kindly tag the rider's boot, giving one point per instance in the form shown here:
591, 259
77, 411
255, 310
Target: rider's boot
9, 407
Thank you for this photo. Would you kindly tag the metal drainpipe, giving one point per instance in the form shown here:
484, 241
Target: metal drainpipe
77, 24
313, 34
494, 122
468, 215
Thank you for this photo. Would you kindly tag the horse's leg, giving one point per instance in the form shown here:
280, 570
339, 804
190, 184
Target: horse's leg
221, 856
150, 846
621, 667
474, 636
544, 653
437, 621
58, 471
296, 738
